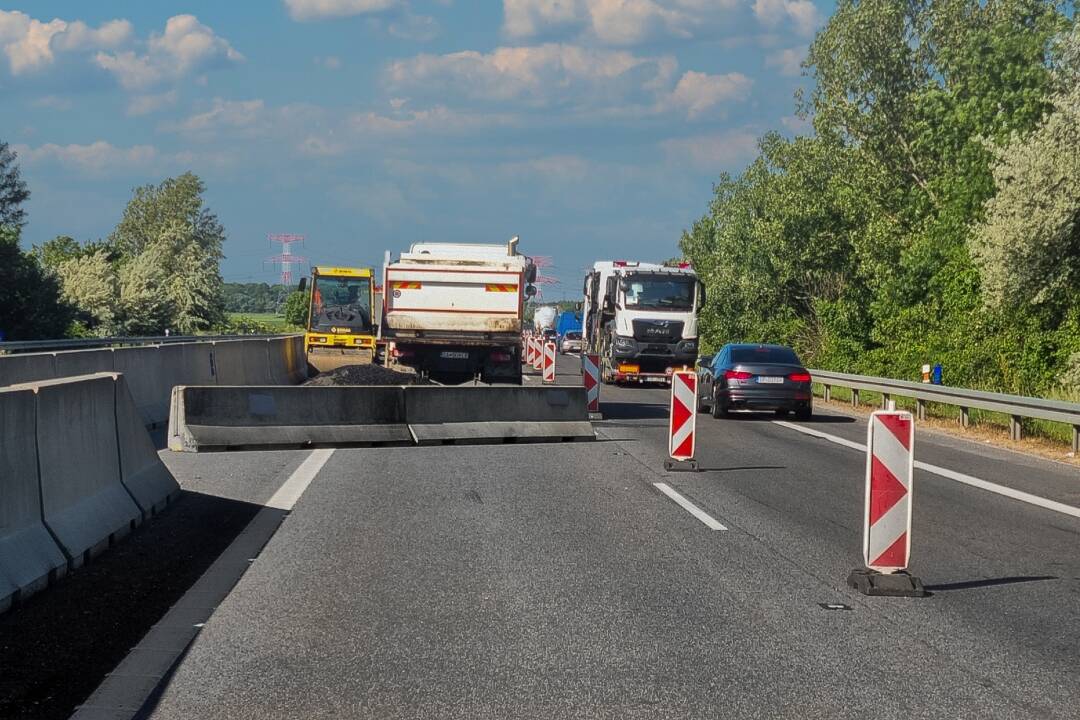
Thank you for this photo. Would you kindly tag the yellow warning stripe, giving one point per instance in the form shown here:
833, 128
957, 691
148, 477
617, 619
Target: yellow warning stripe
501, 288
406, 285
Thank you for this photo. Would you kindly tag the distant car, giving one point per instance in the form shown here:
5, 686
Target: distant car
571, 342
754, 377
550, 336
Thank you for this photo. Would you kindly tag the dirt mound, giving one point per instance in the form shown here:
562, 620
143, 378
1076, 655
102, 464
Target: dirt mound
366, 375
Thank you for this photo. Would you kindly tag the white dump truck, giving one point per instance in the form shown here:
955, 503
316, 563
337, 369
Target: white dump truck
641, 319
455, 311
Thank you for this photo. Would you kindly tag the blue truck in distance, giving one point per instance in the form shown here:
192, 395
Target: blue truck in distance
568, 320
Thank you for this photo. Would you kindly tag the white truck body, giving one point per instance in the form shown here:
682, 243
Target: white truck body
456, 307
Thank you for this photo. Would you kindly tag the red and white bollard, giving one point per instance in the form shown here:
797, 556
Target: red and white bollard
529, 349
538, 355
890, 467
549, 363
590, 378
682, 423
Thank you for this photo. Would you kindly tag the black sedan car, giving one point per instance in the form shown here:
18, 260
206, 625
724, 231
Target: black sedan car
754, 377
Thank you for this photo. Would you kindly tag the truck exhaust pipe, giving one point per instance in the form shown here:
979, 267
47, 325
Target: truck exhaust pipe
511, 247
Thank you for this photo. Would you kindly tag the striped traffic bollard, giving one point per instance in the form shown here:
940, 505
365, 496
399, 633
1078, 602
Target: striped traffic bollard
538, 355
682, 423
549, 363
528, 350
890, 463
590, 378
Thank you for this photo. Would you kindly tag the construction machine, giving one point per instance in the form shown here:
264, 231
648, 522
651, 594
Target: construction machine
341, 320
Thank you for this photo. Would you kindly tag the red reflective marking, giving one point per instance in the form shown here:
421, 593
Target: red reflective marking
685, 449
895, 555
898, 425
885, 490
679, 415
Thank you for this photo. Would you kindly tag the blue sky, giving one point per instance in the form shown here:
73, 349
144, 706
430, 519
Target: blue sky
591, 128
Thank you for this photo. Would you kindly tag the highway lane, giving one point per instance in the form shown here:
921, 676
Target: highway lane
556, 581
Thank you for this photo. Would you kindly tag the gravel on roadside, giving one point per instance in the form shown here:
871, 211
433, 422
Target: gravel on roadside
366, 375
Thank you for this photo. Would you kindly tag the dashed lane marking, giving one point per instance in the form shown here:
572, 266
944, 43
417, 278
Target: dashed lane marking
689, 506
975, 482
287, 495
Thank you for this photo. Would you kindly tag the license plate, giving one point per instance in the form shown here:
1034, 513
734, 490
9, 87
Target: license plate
454, 355
767, 380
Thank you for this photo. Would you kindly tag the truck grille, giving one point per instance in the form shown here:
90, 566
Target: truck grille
658, 331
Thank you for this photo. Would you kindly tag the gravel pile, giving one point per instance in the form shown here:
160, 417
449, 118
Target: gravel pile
366, 375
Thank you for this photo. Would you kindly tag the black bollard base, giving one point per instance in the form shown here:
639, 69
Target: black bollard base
680, 465
900, 584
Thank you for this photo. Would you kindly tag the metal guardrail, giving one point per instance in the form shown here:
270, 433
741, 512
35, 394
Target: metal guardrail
1015, 406
21, 346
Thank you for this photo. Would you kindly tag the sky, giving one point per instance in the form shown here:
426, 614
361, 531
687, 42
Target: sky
593, 129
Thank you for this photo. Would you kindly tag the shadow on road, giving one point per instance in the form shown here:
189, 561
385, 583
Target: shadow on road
748, 416
58, 646
632, 411
744, 467
989, 582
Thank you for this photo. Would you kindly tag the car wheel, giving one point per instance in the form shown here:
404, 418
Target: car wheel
702, 406
719, 411
804, 413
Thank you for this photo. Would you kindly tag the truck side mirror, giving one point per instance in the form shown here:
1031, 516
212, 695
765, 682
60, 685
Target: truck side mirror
530, 274
701, 295
530, 291
303, 284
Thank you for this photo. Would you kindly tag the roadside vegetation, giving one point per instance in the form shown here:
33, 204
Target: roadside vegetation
929, 211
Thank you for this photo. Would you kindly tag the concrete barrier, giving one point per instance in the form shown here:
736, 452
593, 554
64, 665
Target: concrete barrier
241, 362
218, 418
70, 363
29, 557
84, 502
28, 367
486, 414
146, 380
143, 474
198, 364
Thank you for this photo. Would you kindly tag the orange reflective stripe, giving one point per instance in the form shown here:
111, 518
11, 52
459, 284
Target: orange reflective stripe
407, 285
501, 288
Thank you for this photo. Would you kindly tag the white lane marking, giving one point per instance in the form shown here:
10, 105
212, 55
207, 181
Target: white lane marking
298, 482
951, 475
689, 506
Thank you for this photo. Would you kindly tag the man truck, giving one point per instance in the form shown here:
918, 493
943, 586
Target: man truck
641, 319
456, 311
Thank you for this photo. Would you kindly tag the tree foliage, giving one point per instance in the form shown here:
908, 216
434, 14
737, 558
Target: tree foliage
296, 308
895, 234
30, 304
13, 190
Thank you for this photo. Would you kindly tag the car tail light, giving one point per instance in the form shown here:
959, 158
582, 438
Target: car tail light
500, 357
737, 375
799, 377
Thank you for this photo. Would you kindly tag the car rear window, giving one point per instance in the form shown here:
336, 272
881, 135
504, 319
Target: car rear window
765, 354
573, 336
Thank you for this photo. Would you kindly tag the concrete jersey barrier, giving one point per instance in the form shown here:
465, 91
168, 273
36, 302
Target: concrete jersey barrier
142, 473
218, 418
29, 557
85, 504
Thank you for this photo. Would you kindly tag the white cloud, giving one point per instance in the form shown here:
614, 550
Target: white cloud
803, 14
94, 159
543, 75
187, 46
722, 151
618, 22
305, 10
30, 44
146, 104
788, 62
698, 92
223, 114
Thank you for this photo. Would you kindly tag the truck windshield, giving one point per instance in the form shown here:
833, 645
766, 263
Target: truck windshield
659, 292
343, 303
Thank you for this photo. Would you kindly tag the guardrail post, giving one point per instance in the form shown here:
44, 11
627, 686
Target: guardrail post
854, 397
965, 417
1015, 430
885, 401
827, 393
1076, 439
920, 409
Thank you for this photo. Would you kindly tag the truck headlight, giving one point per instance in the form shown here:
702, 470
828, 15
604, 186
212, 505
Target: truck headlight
624, 343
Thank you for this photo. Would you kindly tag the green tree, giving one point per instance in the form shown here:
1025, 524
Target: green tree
296, 308
13, 190
30, 304
90, 284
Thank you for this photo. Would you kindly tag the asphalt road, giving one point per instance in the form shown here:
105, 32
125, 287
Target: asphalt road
557, 581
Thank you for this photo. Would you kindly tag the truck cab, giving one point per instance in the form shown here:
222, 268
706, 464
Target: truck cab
641, 318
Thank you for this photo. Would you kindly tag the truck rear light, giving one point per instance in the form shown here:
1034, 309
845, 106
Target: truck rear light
399, 353
737, 375
799, 377
630, 369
